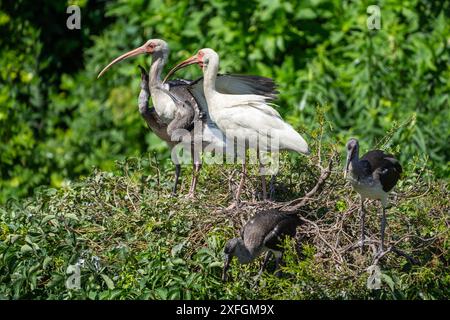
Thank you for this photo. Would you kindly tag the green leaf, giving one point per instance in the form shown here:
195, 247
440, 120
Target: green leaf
108, 281
48, 218
162, 293
177, 248
11, 238
178, 261
72, 216
216, 264
46, 262
387, 279
26, 248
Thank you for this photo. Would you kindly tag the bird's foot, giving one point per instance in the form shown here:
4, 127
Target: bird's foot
190, 195
381, 251
168, 195
233, 206
360, 244
262, 198
380, 254
268, 200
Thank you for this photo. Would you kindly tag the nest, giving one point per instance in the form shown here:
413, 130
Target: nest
329, 211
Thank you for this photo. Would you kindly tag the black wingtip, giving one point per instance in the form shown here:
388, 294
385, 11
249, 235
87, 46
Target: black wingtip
262, 85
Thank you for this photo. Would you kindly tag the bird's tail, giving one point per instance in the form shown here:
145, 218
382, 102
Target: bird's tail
292, 140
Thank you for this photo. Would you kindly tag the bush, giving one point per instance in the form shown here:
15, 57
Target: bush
57, 121
131, 240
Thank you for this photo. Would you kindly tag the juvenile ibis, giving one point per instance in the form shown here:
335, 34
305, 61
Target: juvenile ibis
373, 177
265, 232
192, 91
154, 122
247, 117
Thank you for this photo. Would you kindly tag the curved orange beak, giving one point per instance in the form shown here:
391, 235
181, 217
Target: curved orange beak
129, 54
181, 65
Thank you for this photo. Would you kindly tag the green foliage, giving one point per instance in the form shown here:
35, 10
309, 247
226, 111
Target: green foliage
388, 87
57, 120
135, 251
132, 240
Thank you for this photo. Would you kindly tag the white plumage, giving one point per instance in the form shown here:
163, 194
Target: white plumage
169, 97
246, 116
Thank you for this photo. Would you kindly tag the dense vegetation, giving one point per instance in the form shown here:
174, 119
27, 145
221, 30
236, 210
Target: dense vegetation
131, 239
388, 87
57, 120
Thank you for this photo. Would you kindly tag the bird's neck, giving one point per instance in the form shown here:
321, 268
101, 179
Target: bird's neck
209, 78
158, 63
356, 166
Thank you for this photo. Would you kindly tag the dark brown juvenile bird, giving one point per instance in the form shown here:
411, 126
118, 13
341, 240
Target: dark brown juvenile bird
373, 177
265, 232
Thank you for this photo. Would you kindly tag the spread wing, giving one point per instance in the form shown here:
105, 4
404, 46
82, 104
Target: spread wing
192, 91
245, 84
235, 84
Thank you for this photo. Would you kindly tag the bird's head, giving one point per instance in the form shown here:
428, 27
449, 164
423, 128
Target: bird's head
229, 250
352, 148
202, 58
152, 46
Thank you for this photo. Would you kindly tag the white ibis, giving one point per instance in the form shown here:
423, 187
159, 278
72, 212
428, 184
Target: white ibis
265, 232
247, 117
373, 177
192, 91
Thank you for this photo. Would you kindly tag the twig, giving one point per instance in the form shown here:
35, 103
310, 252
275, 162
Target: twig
397, 251
325, 173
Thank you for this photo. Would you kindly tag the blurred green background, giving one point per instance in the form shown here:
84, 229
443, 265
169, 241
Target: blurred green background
57, 120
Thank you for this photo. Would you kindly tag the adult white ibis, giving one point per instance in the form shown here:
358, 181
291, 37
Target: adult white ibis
246, 117
373, 177
192, 91
265, 232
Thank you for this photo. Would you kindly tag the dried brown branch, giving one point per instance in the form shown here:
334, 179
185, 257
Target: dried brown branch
301, 202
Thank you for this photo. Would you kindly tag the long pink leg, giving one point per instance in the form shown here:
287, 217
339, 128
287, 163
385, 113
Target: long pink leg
237, 196
196, 169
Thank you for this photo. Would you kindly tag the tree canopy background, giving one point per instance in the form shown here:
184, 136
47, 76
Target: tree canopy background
57, 120
337, 79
